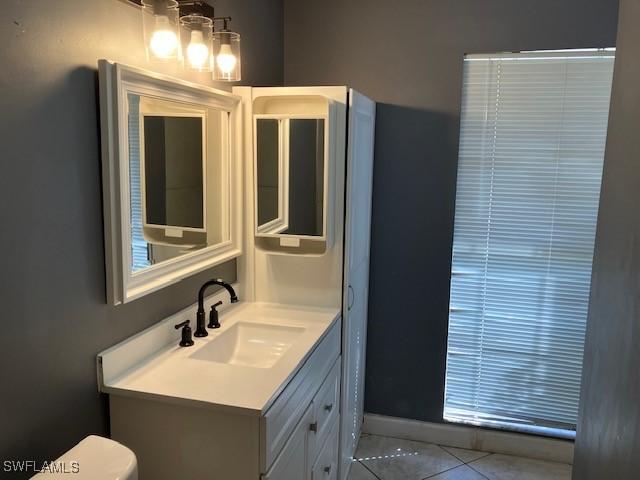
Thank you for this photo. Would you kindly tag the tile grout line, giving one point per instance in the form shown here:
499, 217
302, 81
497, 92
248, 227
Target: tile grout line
448, 469
468, 464
479, 473
444, 450
444, 471
369, 470
449, 453
425, 478
486, 454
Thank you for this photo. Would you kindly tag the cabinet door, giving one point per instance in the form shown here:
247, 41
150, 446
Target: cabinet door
326, 465
325, 408
356, 271
292, 463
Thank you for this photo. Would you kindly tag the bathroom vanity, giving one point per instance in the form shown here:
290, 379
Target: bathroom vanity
280, 179
259, 396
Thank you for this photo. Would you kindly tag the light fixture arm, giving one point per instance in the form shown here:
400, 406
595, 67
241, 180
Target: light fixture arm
225, 24
196, 7
186, 7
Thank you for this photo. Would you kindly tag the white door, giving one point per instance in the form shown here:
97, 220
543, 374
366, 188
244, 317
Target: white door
356, 271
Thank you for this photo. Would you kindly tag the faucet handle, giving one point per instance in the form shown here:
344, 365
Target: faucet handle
213, 316
186, 340
181, 325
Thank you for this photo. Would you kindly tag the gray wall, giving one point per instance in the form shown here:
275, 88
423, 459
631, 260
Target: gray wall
608, 441
52, 286
407, 55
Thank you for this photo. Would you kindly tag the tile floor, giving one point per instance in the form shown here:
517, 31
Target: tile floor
384, 458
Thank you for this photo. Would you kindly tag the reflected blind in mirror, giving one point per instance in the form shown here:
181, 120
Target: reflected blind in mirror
533, 131
139, 249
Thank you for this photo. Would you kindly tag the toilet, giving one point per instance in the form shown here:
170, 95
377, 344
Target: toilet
94, 458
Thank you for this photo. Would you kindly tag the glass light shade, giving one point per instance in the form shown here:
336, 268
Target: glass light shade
196, 33
226, 56
161, 30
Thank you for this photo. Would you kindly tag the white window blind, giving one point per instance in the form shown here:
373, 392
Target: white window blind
139, 249
532, 139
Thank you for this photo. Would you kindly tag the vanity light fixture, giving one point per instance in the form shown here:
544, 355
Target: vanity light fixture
226, 53
184, 31
161, 34
196, 33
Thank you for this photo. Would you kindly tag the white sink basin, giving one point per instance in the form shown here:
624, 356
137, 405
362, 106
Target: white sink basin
250, 345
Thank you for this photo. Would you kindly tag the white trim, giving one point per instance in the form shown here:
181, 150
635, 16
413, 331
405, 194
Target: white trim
281, 222
246, 262
474, 438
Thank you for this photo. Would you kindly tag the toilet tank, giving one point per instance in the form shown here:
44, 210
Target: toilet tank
94, 458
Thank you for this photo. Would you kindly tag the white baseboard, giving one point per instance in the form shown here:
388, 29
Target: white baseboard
469, 437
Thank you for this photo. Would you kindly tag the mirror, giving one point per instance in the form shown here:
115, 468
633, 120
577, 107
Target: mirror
171, 178
290, 176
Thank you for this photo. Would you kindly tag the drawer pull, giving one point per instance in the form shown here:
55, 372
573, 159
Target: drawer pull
314, 427
327, 470
329, 407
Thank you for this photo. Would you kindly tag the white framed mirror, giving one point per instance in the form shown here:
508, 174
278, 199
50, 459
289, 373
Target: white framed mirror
171, 179
291, 175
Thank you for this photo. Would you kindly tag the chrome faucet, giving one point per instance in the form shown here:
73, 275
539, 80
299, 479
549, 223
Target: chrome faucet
201, 331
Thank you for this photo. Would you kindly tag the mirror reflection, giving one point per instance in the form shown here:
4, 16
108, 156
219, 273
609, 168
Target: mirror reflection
268, 170
290, 166
175, 157
173, 171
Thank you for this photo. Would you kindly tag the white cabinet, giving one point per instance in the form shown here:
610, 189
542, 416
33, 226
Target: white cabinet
292, 463
356, 271
309, 271
326, 464
283, 443
311, 451
325, 409
280, 420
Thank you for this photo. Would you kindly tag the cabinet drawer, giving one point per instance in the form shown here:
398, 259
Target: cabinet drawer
285, 413
326, 465
292, 462
325, 409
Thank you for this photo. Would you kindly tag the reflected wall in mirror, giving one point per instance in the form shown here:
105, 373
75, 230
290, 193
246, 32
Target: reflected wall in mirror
173, 171
171, 176
268, 170
290, 176
306, 177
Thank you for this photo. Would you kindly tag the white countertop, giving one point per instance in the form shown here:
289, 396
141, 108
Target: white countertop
172, 374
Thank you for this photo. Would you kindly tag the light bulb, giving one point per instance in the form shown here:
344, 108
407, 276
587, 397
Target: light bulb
226, 59
164, 42
197, 51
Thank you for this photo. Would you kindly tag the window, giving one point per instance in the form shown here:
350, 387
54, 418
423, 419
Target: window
532, 139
